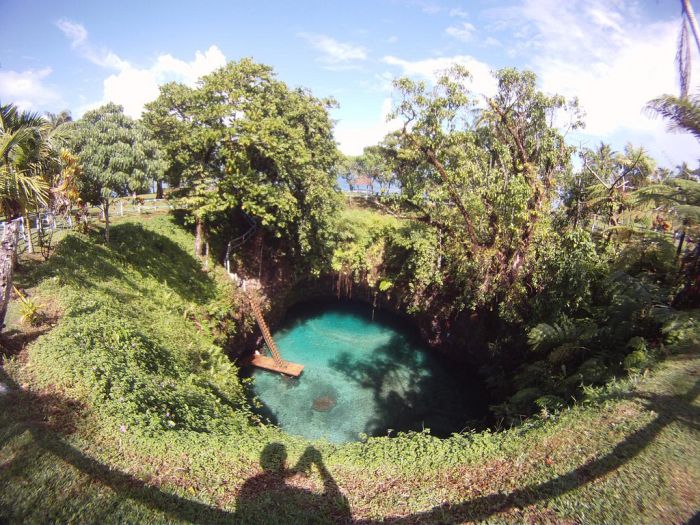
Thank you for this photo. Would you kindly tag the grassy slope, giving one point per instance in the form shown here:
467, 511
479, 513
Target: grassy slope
629, 457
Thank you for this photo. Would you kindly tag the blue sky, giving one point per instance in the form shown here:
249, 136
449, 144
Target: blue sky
614, 55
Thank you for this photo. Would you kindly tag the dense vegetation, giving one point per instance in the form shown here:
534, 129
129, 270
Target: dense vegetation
164, 439
563, 281
571, 271
565, 272
145, 367
244, 142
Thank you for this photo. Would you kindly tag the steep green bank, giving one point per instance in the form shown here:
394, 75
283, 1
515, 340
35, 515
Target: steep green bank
141, 330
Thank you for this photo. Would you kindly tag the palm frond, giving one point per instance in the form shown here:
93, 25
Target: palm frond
683, 114
545, 337
689, 213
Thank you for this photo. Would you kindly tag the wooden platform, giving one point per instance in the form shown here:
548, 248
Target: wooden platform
268, 363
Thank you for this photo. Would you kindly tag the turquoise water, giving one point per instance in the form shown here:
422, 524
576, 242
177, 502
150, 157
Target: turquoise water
360, 376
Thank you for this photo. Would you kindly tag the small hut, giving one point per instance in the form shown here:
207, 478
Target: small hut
363, 184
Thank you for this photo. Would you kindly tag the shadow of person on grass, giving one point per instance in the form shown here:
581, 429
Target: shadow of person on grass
47, 419
280, 495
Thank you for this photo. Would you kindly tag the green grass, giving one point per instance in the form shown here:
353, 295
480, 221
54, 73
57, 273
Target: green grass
127, 411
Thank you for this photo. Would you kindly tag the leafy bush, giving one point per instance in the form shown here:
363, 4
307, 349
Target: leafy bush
550, 403
135, 379
568, 269
681, 330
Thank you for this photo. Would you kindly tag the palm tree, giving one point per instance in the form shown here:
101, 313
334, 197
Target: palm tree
682, 113
683, 55
22, 153
57, 119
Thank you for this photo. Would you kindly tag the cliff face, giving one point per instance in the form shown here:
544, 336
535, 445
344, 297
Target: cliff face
459, 336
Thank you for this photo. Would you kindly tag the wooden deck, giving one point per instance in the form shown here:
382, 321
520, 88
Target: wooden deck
268, 363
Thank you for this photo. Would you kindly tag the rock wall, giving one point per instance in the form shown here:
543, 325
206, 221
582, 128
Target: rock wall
458, 336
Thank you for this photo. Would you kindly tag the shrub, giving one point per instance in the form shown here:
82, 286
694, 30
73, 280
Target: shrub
135, 379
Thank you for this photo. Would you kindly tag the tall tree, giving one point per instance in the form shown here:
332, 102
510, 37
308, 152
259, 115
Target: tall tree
252, 144
117, 154
174, 122
372, 165
683, 54
483, 176
610, 178
57, 119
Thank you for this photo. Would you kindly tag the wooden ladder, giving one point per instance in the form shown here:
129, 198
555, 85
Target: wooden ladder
257, 312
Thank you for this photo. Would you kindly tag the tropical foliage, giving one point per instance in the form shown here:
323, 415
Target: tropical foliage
482, 223
117, 155
23, 153
244, 142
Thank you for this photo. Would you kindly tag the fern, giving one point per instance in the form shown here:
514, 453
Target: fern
545, 337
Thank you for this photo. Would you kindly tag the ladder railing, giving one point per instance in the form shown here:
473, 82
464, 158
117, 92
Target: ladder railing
240, 240
265, 330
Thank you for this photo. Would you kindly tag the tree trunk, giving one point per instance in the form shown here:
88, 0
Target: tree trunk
198, 237
8, 250
688, 8
105, 208
680, 244
159, 189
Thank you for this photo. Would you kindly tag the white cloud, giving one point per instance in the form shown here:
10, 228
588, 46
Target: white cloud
78, 36
459, 13
463, 32
612, 60
74, 31
133, 87
430, 9
130, 86
334, 52
28, 89
392, 39
606, 19
354, 136
490, 41
482, 79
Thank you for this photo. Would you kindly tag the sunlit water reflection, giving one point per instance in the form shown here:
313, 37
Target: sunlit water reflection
362, 376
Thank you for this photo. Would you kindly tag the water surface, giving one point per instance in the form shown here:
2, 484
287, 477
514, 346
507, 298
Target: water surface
362, 376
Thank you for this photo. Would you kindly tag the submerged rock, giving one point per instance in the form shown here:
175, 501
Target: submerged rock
324, 403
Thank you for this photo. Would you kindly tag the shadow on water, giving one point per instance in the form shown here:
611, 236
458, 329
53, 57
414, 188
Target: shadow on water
411, 390
270, 497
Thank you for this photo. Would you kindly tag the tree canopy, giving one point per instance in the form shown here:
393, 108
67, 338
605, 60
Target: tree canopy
117, 154
483, 173
244, 141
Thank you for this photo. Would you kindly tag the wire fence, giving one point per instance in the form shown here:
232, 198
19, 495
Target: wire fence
34, 229
33, 233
